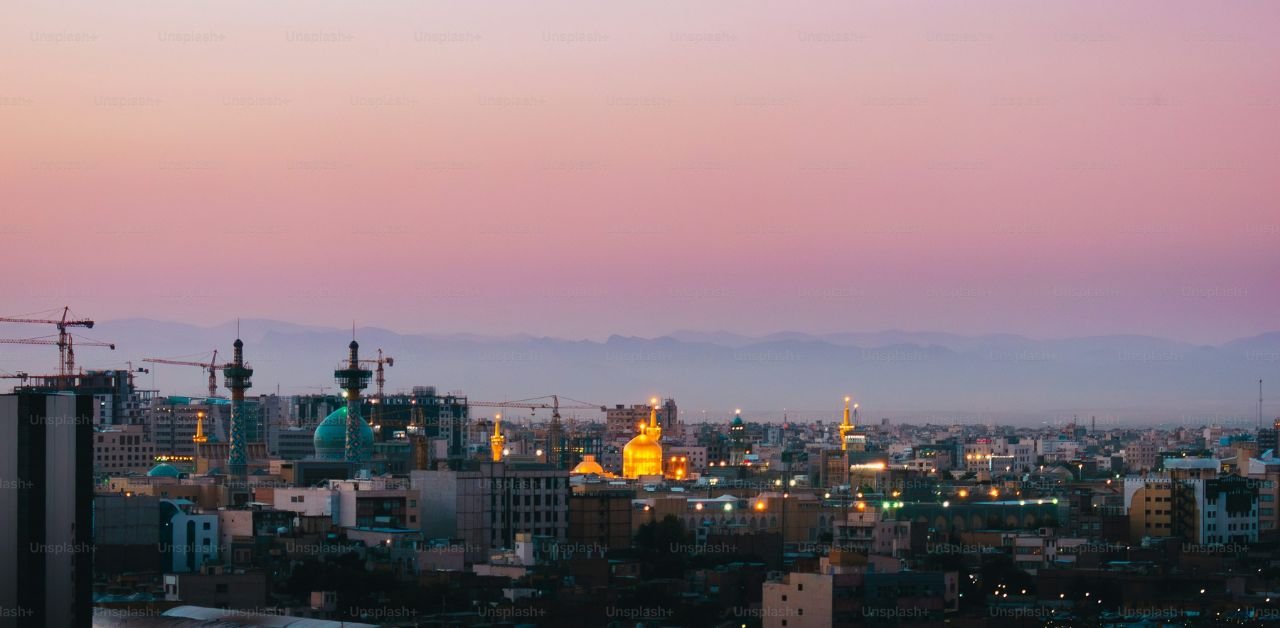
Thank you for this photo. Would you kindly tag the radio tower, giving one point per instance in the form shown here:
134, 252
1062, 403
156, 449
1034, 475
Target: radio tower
237, 376
352, 380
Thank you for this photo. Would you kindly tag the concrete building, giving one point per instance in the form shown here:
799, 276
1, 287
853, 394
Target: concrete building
272, 416
487, 504
1140, 456
1192, 468
189, 538
1226, 511
799, 600
696, 455
1266, 476
293, 443
977, 455
1021, 455
1149, 502
621, 420
377, 503
123, 449
46, 505
126, 532
306, 502
218, 587
601, 519
245, 533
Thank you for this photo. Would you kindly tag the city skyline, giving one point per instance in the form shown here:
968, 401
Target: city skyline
553, 313
899, 376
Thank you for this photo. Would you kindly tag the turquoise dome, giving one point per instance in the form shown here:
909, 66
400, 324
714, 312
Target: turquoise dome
331, 437
164, 470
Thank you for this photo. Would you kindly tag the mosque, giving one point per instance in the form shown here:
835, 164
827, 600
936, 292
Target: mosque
330, 437
642, 456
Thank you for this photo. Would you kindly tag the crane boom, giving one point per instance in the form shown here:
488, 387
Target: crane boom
380, 377
537, 403
66, 352
211, 366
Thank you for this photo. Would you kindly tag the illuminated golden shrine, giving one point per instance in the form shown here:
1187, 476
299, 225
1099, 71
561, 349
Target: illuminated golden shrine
643, 455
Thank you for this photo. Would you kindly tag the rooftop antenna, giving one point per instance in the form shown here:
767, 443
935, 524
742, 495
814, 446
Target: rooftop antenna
1259, 404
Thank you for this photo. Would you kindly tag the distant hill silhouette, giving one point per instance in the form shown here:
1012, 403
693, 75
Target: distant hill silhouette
902, 375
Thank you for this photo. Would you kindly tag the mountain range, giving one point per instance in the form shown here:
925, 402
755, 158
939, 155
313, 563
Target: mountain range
895, 375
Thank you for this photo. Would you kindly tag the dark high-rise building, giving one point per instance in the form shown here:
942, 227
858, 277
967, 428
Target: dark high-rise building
1268, 437
46, 505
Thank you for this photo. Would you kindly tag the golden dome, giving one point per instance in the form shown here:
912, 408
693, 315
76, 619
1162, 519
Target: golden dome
588, 466
643, 455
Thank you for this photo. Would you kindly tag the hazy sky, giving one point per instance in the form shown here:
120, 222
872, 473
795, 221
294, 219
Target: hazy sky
585, 168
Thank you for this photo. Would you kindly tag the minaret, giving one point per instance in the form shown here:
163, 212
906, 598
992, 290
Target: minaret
352, 380
200, 437
237, 376
846, 428
497, 442
654, 430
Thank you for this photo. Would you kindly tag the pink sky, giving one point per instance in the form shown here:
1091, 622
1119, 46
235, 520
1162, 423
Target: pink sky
579, 169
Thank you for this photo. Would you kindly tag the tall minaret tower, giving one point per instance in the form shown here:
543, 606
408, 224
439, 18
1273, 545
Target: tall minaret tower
352, 380
200, 437
654, 430
846, 428
497, 442
237, 375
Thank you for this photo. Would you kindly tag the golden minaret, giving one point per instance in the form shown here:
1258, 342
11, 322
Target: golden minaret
846, 428
200, 437
497, 442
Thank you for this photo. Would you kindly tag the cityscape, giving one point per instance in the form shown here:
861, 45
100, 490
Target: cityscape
385, 503
715, 314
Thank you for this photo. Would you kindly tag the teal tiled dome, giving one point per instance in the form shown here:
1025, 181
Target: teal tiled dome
164, 470
331, 437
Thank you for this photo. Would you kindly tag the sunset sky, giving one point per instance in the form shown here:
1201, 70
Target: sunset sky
579, 169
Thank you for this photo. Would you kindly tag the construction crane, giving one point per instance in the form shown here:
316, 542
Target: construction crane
556, 450
212, 366
539, 403
66, 353
65, 345
21, 376
380, 378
